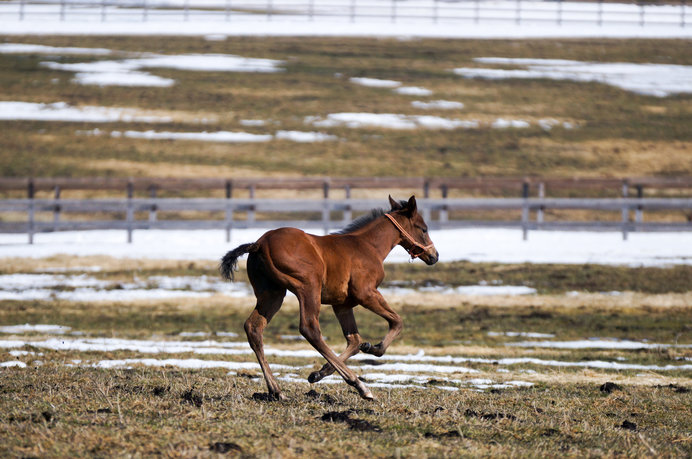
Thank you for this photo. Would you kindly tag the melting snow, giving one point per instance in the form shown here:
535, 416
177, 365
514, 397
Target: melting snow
21, 48
19, 329
413, 91
128, 72
648, 79
60, 111
597, 343
375, 83
438, 105
522, 334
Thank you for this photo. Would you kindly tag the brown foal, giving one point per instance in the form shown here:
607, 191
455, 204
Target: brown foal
342, 269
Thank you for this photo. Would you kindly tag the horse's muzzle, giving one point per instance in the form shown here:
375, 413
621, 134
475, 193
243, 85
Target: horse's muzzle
430, 259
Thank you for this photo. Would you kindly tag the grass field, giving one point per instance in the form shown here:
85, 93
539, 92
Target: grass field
595, 363
502, 396
616, 132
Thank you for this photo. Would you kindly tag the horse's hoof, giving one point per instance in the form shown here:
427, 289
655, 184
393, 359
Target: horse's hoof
314, 377
364, 391
367, 395
366, 347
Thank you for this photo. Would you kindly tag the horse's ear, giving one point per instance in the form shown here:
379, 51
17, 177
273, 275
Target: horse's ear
395, 205
411, 207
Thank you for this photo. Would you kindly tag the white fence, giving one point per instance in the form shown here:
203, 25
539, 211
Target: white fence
354, 11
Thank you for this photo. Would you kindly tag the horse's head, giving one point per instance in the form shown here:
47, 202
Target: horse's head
414, 230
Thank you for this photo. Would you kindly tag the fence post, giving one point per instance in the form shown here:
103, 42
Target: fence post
251, 210
353, 11
435, 12
525, 211
426, 194
444, 216
541, 208
130, 213
326, 207
270, 10
62, 10
559, 12
186, 11
30, 193
639, 213
229, 210
56, 208
311, 11
682, 13
625, 210
393, 11
348, 212
641, 15
154, 207
518, 18
228, 10
21, 9
477, 11
145, 11
600, 13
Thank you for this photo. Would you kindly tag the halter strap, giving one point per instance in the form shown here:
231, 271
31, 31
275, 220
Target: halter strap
409, 239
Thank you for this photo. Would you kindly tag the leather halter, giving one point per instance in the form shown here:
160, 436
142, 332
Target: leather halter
408, 238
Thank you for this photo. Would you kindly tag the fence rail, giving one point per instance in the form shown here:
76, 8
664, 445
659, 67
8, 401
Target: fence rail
432, 11
441, 211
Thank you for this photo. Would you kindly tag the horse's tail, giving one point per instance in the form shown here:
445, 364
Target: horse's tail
229, 262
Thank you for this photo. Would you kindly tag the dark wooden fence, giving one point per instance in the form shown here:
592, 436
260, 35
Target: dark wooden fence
329, 203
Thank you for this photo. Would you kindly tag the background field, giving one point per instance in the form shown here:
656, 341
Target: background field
617, 133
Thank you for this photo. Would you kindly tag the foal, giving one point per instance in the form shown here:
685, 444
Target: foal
342, 269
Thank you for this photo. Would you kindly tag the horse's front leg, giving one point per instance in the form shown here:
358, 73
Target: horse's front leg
344, 313
310, 329
376, 303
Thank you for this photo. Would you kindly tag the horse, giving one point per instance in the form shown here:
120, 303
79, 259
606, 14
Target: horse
341, 269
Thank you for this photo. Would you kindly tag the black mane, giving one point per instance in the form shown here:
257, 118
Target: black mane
363, 220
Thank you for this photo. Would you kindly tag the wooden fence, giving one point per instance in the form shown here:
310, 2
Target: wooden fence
241, 208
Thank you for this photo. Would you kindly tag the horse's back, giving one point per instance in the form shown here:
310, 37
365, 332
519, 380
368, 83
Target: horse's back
291, 256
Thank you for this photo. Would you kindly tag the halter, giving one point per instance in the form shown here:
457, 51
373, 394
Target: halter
410, 240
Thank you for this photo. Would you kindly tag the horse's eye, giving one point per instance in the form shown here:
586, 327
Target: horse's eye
425, 230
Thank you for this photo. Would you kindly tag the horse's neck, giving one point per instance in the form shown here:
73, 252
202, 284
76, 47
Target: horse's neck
381, 235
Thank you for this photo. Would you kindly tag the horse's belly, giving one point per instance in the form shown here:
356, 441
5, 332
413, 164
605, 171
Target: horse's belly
334, 294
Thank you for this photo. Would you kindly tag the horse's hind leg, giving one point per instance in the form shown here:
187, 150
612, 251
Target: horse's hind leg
268, 303
344, 313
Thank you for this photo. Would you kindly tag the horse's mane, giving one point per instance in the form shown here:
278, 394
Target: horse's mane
363, 220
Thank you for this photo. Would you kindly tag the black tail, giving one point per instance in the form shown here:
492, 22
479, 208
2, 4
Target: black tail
229, 262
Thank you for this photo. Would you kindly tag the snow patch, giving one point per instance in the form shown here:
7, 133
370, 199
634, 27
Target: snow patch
658, 80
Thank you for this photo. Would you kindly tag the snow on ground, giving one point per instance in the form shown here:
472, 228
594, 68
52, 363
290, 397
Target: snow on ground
60, 111
477, 245
392, 370
648, 79
437, 105
227, 136
128, 72
24, 48
27, 287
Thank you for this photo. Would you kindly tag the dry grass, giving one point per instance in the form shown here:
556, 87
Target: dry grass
316, 83
50, 409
